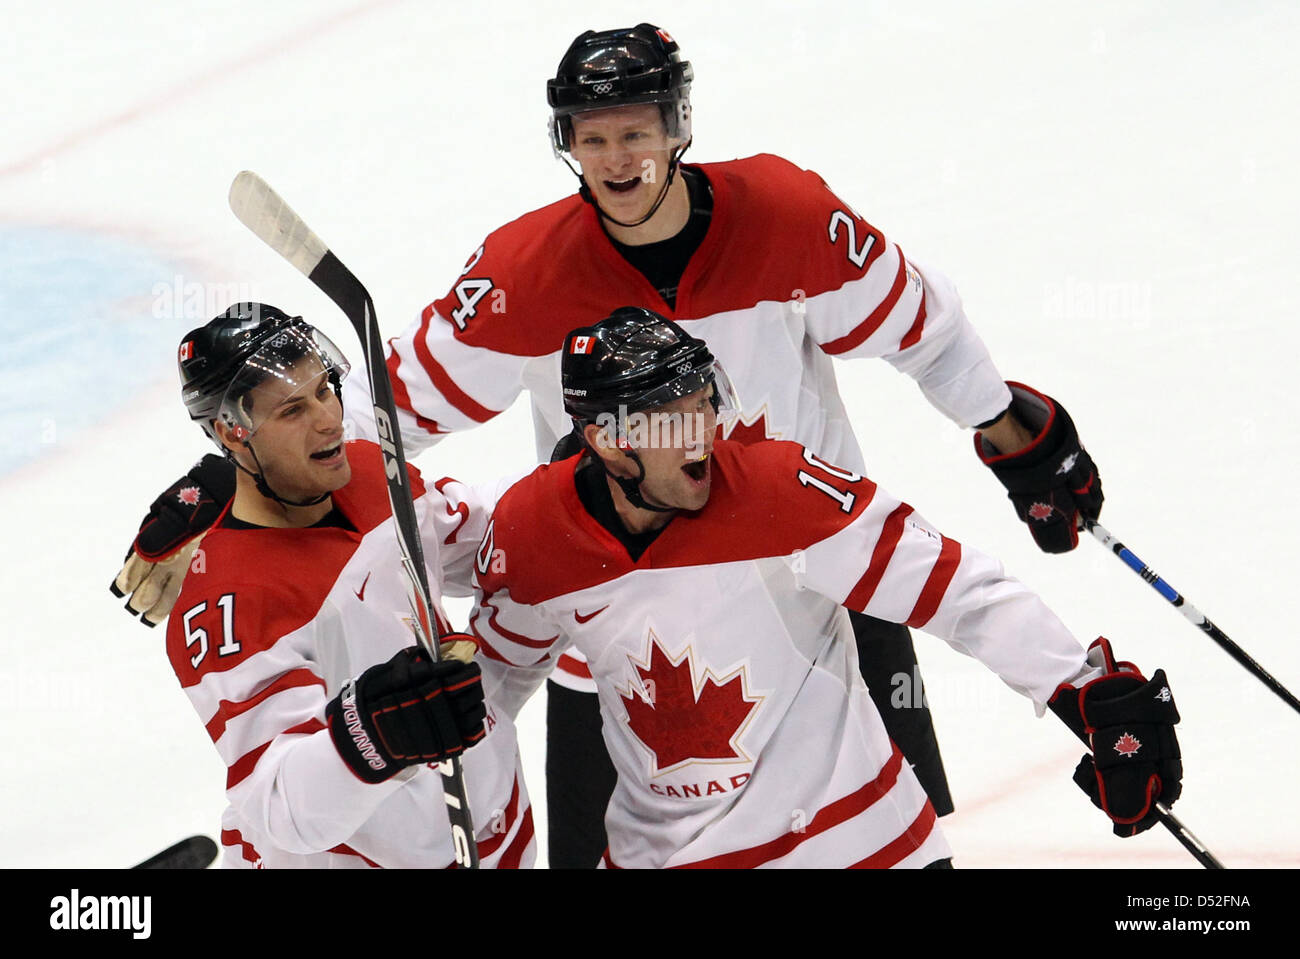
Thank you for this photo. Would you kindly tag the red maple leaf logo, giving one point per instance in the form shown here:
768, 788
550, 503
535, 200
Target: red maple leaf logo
1127, 745
1040, 511
678, 722
754, 431
189, 495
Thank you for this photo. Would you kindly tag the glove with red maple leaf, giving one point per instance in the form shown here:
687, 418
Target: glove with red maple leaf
1052, 481
1128, 723
156, 563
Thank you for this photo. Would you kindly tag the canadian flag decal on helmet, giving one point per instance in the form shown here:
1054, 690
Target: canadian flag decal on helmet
581, 344
187, 350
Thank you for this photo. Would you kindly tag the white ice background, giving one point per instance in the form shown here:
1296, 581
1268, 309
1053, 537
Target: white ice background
1112, 186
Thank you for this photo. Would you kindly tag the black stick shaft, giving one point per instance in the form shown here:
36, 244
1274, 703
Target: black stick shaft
1185, 836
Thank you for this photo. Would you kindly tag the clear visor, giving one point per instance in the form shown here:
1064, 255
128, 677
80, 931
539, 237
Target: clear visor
295, 366
638, 128
684, 414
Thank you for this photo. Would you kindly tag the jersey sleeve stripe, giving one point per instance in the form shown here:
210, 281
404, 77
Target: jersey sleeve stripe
227, 710
514, 855
829, 816
233, 837
242, 767
442, 381
945, 567
344, 849
876, 317
574, 667
890, 534
913, 336
514, 637
487, 847
484, 646
402, 396
900, 848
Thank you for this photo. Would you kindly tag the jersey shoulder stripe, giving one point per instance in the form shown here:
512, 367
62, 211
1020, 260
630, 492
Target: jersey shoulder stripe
768, 499
777, 233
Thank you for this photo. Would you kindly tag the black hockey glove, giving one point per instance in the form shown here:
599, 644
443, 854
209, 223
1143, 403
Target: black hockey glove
189, 507
1128, 723
1051, 482
169, 535
407, 711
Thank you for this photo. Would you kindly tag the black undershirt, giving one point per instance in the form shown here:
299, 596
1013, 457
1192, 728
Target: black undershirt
333, 518
593, 490
663, 263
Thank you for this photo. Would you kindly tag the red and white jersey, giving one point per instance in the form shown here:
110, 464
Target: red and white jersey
787, 277
731, 701
267, 631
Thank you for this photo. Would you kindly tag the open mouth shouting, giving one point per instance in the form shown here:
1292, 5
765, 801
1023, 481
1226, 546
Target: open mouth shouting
697, 471
330, 455
622, 186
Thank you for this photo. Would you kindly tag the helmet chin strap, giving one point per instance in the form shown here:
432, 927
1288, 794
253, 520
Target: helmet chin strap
585, 191
632, 487
259, 478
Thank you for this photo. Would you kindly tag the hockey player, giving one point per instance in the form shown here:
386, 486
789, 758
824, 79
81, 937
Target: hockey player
756, 256
288, 640
706, 581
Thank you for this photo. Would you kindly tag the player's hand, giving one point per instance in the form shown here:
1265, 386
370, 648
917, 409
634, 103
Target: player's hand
1128, 723
152, 588
1052, 482
407, 711
169, 534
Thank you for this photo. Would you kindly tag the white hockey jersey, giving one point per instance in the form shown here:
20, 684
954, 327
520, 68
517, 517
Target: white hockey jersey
787, 277
264, 635
731, 700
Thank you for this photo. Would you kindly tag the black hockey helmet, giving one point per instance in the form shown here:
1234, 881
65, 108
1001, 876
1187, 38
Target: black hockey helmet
621, 67
631, 362
635, 360
223, 360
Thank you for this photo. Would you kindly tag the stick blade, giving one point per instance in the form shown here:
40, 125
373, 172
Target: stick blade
264, 212
196, 852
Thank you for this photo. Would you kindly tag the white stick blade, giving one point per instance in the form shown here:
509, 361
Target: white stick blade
262, 210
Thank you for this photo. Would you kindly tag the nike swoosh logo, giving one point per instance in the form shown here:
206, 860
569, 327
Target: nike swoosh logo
361, 593
583, 619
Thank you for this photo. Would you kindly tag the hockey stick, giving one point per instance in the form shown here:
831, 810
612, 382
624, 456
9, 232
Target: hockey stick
196, 852
1185, 836
260, 209
1194, 615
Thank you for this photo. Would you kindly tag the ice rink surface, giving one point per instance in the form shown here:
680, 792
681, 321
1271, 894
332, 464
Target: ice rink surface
1111, 185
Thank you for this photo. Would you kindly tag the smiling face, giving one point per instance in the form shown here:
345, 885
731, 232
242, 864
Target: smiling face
624, 153
296, 433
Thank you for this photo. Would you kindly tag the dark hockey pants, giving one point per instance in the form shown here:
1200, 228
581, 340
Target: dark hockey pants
580, 777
